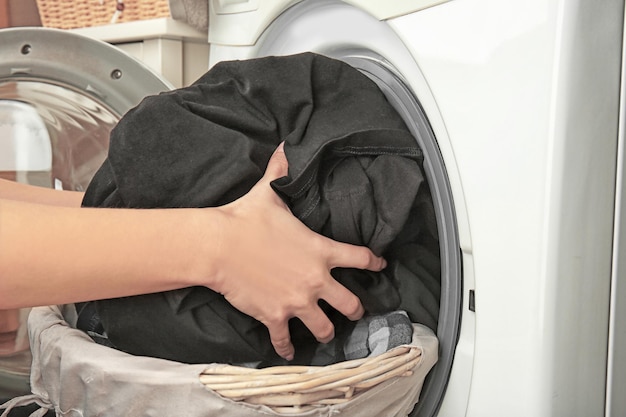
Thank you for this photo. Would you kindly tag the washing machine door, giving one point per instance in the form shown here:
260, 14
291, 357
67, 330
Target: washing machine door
60, 96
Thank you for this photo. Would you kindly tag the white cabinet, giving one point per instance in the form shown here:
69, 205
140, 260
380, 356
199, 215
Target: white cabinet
173, 49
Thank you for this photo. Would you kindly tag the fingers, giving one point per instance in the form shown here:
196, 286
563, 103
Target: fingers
279, 335
316, 320
350, 256
343, 301
319, 324
277, 166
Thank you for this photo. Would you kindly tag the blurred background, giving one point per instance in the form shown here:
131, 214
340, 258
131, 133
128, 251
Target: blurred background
19, 13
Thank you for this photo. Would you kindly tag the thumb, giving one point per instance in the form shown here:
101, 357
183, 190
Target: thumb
277, 166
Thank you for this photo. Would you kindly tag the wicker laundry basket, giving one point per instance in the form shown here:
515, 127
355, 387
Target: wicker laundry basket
289, 389
70, 14
75, 376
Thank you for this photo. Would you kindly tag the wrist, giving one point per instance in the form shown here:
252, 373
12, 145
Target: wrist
208, 230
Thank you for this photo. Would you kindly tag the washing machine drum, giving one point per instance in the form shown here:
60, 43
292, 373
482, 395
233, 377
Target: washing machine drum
60, 96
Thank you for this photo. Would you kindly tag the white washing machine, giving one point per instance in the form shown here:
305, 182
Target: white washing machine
60, 95
517, 106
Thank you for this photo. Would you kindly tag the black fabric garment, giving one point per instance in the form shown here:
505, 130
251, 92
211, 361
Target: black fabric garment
354, 175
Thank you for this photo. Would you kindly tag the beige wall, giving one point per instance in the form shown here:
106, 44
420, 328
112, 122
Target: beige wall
19, 13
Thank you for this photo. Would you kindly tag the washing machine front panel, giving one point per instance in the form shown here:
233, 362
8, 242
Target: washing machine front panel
529, 92
242, 22
493, 90
522, 98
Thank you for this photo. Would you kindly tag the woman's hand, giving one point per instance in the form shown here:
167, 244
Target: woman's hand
265, 262
273, 267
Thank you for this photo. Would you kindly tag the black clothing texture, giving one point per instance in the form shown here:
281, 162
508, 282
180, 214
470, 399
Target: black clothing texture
354, 175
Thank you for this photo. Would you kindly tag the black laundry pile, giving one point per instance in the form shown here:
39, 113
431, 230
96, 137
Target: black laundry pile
355, 175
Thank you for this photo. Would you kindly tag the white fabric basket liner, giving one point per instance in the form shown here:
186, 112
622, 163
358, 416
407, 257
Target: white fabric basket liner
75, 376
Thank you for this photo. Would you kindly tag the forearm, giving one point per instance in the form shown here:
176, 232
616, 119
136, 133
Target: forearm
54, 255
10, 190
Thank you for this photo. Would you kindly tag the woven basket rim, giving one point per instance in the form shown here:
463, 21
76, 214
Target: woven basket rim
298, 388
